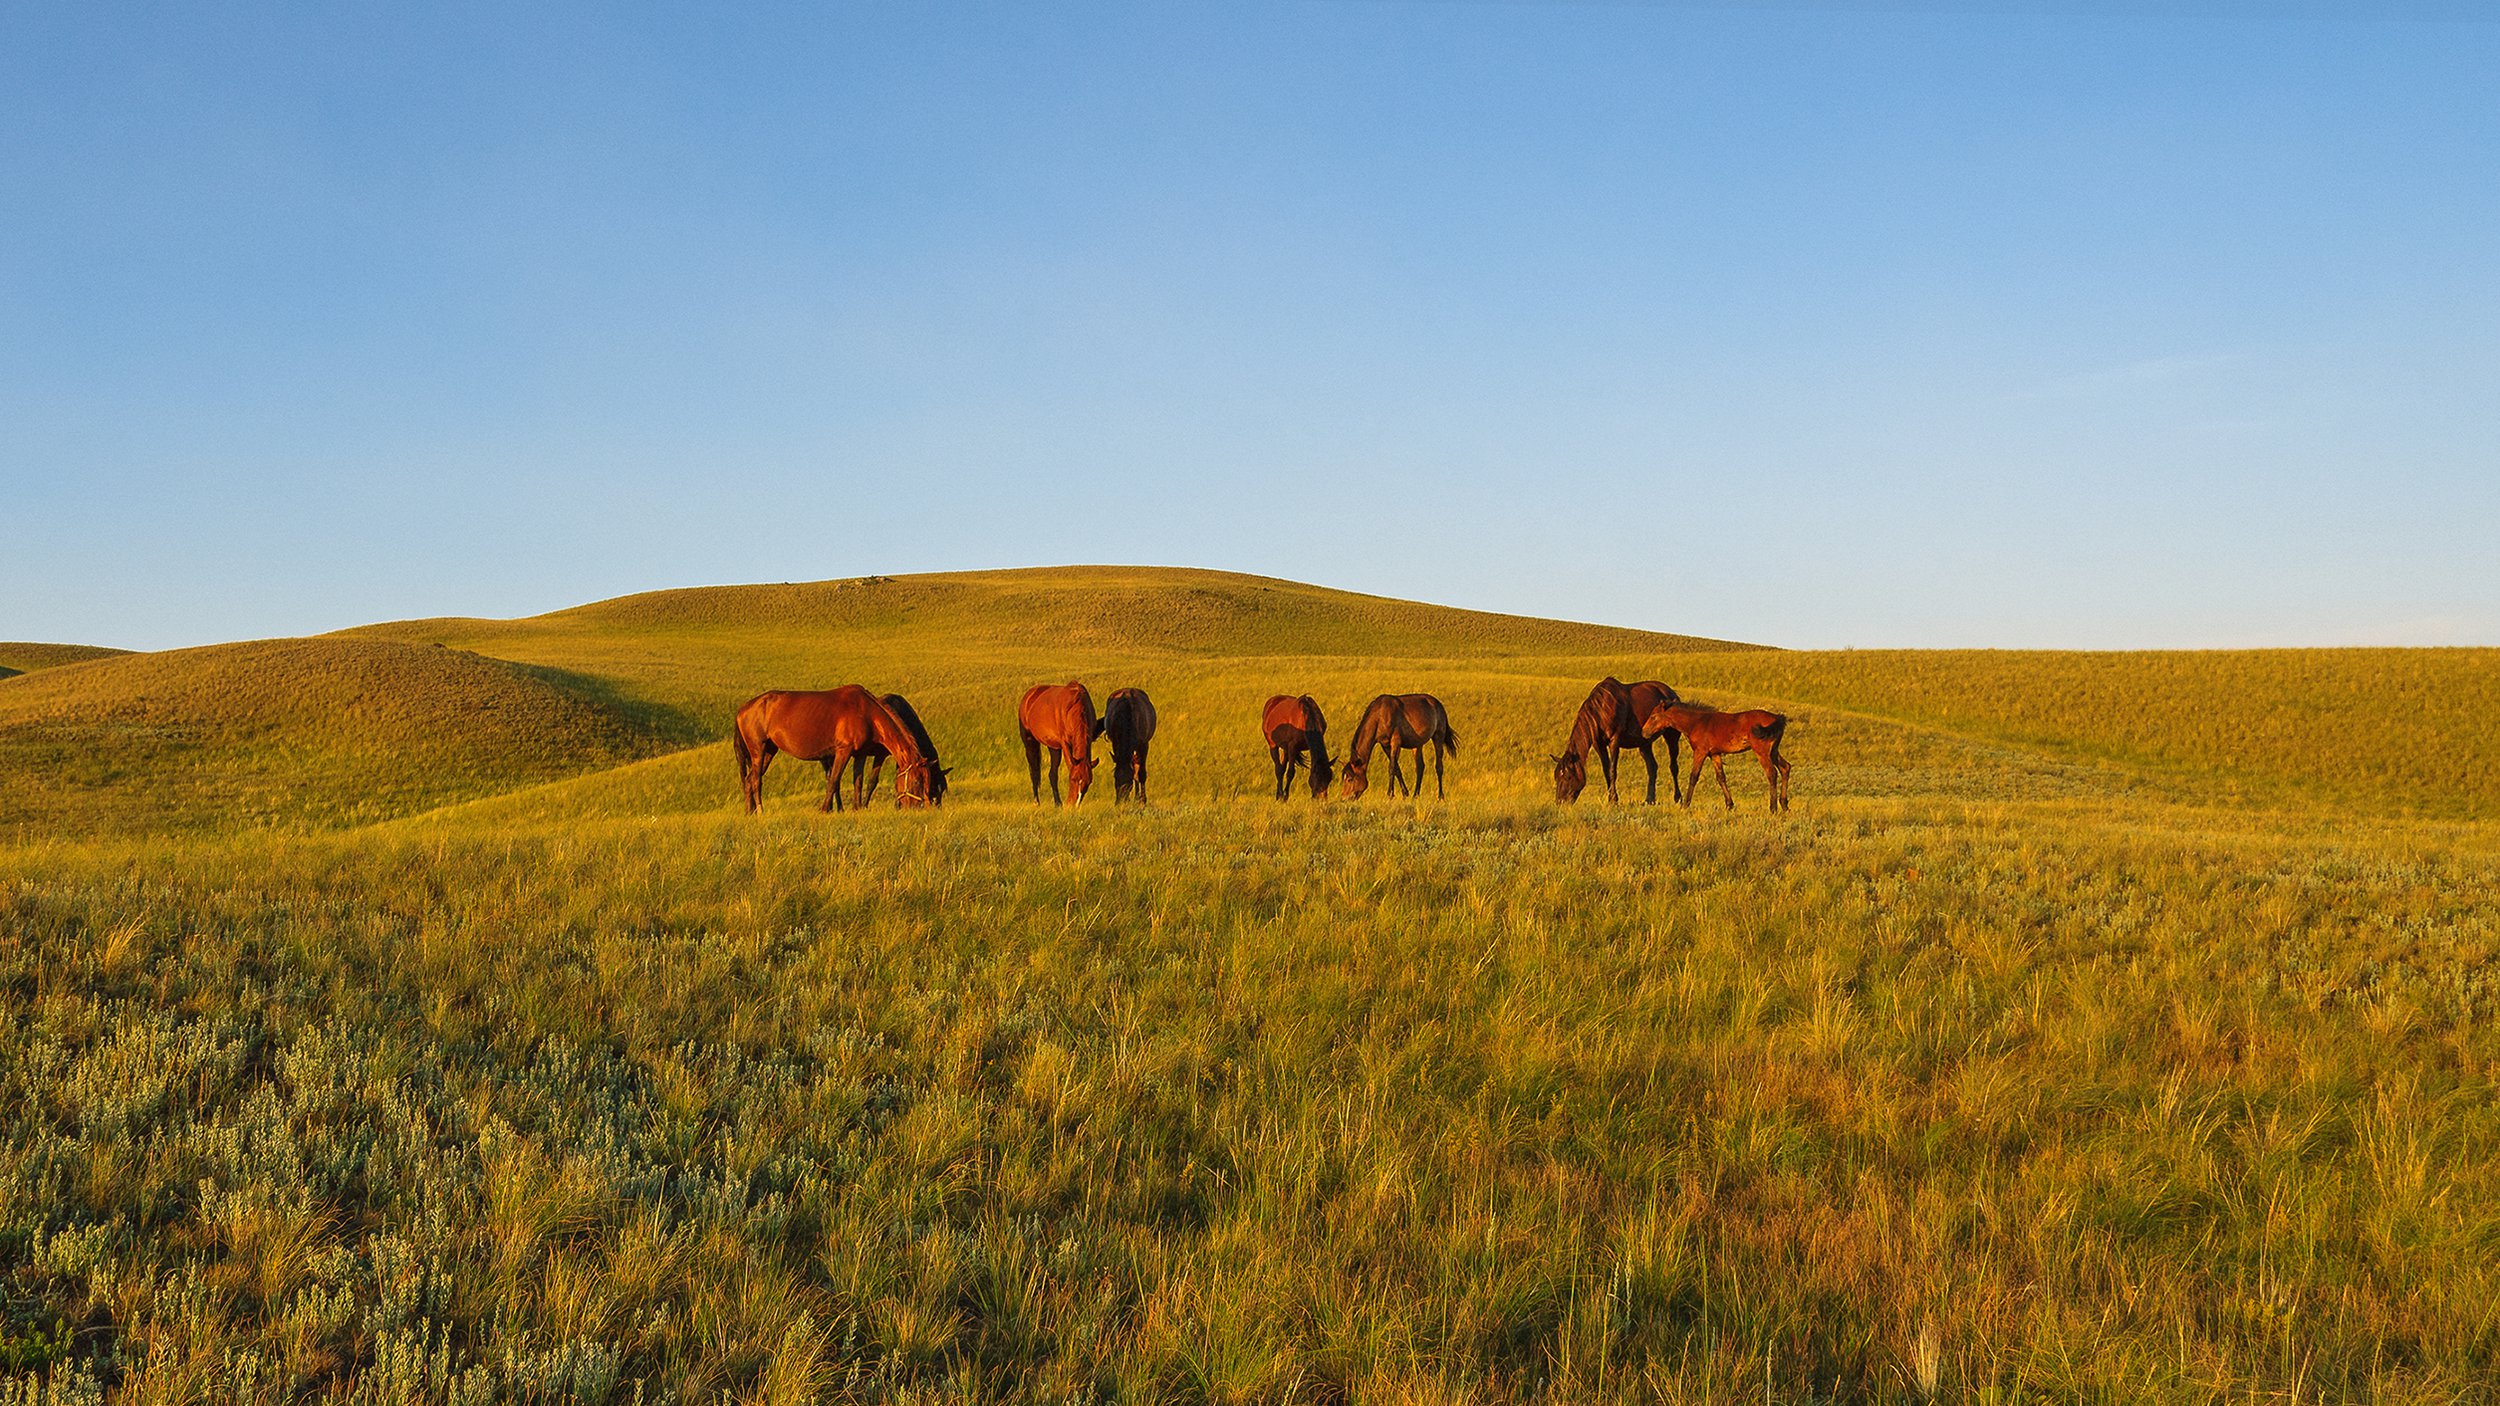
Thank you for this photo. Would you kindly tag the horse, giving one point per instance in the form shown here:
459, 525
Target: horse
1609, 721
1717, 735
870, 758
1061, 718
1400, 722
828, 726
1128, 719
1294, 727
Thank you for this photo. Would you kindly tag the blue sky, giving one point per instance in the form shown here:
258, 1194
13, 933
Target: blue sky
2057, 324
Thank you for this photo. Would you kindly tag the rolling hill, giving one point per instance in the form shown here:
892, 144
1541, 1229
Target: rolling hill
25, 657
290, 732
602, 702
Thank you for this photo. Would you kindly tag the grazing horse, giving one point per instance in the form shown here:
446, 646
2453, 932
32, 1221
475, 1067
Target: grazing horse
1400, 722
1293, 727
1717, 735
1059, 716
1608, 722
870, 758
1128, 719
831, 727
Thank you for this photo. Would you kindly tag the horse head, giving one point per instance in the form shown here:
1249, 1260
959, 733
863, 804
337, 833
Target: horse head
916, 783
1357, 777
1323, 776
1080, 774
1571, 775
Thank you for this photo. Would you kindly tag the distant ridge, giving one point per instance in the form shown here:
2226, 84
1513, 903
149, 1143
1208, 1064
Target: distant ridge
1171, 610
25, 657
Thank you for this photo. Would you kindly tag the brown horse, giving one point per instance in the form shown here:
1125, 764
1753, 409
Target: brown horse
1608, 722
870, 758
1717, 735
1400, 722
829, 726
1128, 719
1294, 727
1060, 717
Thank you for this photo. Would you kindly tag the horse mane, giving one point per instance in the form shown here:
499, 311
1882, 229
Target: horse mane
897, 738
909, 717
1591, 725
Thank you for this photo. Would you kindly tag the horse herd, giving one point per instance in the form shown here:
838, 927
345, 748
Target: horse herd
849, 726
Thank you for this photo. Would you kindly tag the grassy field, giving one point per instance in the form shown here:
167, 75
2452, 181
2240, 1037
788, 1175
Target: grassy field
2081, 1037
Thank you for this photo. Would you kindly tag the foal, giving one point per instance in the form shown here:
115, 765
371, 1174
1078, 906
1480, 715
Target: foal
1717, 735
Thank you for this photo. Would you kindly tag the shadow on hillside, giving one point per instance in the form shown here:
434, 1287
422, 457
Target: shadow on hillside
674, 726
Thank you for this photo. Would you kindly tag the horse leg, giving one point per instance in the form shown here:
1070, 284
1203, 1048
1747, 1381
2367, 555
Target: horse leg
1033, 764
1276, 759
1606, 757
1141, 774
755, 785
1675, 745
1783, 766
1770, 773
1054, 777
1649, 758
1719, 765
833, 786
876, 773
1692, 786
1437, 793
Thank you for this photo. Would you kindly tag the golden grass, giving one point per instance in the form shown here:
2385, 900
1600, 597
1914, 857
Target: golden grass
2050, 1051
1237, 1102
23, 657
289, 732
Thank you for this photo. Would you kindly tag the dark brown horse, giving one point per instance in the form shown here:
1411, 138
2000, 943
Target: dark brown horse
870, 758
1293, 728
1400, 722
1608, 722
1128, 719
829, 727
1717, 735
1059, 716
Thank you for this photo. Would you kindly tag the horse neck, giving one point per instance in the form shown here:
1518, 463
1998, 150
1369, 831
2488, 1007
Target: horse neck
1586, 731
896, 738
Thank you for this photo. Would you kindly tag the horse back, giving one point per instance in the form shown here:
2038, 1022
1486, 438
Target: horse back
1058, 714
1128, 717
1285, 712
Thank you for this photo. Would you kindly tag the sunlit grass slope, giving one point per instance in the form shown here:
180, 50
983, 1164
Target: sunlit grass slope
1894, 1101
2380, 731
324, 731
2377, 730
24, 657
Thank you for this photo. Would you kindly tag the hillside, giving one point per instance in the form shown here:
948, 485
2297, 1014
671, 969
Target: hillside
289, 731
25, 657
2378, 732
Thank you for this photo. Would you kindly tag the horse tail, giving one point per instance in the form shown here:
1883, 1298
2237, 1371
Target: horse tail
1446, 737
1770, 731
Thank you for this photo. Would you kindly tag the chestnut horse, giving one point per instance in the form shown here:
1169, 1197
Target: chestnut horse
1293, 727
1128, 719
1717, 735
828, 726
1608, 722
1059, 716
870, 758
1400, 722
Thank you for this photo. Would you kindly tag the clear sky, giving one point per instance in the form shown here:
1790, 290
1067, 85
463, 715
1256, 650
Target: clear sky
1992, 323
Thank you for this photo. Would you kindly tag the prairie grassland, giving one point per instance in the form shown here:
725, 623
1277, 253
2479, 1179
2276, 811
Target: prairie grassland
1904, 1098
383, 1022
294, 733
